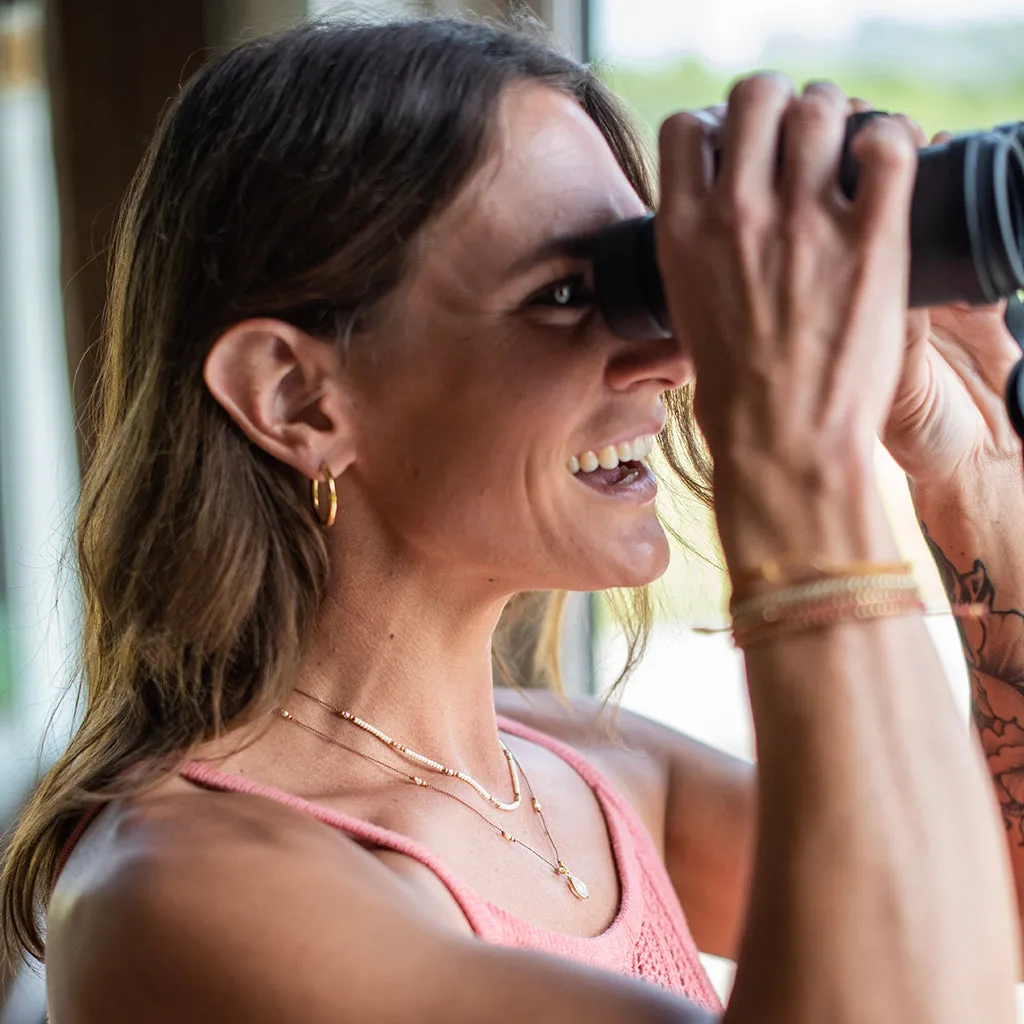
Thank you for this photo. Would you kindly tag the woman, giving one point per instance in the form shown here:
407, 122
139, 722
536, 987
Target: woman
354, 397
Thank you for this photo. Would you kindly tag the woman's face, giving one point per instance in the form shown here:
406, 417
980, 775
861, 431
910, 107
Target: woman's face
493, 374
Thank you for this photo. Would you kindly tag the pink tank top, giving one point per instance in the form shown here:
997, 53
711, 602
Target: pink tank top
649, 937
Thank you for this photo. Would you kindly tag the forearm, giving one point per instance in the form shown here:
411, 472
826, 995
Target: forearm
879, 855
975, 537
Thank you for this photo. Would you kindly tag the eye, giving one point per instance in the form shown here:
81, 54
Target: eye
570, 293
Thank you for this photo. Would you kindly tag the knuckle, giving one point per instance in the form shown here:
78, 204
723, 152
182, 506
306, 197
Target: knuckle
669, 130
672, 225
890, 148
821, 106
743, 214
764, 88
804, 226
876, 240
809, 242
676, 227
824, 89
674, 124
914, 131
677, 130
814, 110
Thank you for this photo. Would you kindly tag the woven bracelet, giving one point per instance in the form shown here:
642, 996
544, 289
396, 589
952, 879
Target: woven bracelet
796, 569
857, 607
823, 590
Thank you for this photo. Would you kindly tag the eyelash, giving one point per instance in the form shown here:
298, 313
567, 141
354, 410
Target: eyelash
574, 282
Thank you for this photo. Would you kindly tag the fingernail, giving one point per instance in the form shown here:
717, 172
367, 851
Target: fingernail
781, 77
708, 117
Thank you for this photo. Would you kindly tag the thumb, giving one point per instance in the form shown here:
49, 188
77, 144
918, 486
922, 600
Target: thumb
919, 323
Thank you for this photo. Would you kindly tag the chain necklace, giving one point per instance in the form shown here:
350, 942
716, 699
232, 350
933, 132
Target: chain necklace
429, 762
576, 884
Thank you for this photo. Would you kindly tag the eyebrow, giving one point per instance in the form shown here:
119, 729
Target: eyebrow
577, 245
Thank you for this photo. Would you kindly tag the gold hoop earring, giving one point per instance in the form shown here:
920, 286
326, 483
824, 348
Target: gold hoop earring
326, 521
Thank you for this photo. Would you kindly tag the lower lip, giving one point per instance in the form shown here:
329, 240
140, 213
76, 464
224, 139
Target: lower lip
639, 491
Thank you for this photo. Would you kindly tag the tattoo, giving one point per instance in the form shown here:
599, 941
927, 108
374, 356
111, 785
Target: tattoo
994, 648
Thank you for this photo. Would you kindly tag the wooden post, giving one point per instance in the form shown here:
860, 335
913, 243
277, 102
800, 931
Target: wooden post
112, 64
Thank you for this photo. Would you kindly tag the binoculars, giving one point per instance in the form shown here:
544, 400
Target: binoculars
966, 240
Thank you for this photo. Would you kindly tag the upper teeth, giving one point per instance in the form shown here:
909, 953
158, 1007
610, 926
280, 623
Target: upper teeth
611, 455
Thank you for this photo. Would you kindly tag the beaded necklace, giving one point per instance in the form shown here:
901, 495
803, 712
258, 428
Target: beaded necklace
576, 884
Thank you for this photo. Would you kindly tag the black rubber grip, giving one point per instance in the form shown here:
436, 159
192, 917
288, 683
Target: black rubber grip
1015, 398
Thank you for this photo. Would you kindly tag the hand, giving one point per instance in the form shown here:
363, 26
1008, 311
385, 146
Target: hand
791, 297
948, 421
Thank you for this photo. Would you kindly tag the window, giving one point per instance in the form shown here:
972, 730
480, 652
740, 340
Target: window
38, 460
6, 680
950, 66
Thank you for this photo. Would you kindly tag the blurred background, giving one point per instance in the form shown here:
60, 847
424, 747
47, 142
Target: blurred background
81, 85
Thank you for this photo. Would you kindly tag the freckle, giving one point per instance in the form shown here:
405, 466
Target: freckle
491, 579
391, 636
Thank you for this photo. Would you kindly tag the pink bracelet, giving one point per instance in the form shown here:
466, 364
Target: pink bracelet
854, 607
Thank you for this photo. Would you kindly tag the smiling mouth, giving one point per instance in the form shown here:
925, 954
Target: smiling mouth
624, 473
617, 469
621, 458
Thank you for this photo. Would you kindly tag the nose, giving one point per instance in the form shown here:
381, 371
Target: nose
663, 362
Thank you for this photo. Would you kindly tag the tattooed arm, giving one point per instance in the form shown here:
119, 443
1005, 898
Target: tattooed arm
978, 546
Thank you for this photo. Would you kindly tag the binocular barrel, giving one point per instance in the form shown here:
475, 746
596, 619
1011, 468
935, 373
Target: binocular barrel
966, 240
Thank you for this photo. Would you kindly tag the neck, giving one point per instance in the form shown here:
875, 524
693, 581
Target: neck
413, 660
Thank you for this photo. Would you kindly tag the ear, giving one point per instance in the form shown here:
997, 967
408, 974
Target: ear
286, 391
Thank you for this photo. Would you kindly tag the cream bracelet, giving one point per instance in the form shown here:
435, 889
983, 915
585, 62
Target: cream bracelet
764, 606
796, 569
849, 608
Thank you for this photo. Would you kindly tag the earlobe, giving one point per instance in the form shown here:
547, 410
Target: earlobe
286, 392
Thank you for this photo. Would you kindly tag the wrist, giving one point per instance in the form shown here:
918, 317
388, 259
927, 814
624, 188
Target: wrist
833, 512
977, 503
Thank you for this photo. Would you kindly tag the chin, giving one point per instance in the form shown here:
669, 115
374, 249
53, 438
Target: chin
640, 574
635, 564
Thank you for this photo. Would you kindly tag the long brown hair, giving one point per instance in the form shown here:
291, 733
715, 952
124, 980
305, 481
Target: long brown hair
286, 179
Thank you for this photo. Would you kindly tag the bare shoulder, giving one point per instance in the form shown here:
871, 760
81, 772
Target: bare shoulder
227, 908
175, 883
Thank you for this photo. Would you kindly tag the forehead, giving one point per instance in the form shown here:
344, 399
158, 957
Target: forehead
548, 172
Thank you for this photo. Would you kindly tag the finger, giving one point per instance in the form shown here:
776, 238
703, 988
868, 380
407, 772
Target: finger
859, 106
941, 138
683, 159
713, 119
915, 131
814, 127
887, 155
750, 135
713, 116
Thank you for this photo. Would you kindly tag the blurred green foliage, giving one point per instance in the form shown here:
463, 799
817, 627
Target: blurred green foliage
937, 103
955, 79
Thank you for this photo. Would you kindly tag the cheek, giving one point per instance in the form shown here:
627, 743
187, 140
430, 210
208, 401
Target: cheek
444, 473
463, 460
487, 506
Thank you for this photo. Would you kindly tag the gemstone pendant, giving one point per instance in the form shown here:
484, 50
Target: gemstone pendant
577, 887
